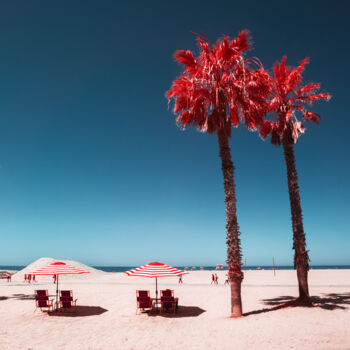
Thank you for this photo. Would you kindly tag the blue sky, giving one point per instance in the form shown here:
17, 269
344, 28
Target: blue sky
93, 167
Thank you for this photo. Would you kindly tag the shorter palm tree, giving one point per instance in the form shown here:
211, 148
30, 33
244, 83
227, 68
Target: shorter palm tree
289, 97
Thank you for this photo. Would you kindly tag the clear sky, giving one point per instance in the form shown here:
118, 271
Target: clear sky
94, 168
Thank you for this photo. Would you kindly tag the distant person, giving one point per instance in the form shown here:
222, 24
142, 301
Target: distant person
33, 278
54, 279
212, 279
8, 278
216, 279
227, 280
180, 279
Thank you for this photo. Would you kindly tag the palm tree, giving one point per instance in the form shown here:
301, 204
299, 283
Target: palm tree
289, 97
217, 89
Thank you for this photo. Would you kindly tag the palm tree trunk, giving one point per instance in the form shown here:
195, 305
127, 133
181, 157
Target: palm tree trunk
234, 256
301, 258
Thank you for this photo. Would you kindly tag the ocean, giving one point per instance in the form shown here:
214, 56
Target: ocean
196, 268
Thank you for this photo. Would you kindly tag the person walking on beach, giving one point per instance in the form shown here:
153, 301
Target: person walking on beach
216, 279
226, 280
212, 279
180, 279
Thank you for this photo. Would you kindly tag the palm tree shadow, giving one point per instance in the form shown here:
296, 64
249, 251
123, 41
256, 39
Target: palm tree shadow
23, 297
182, 311
3, 298
80, 311
331, 301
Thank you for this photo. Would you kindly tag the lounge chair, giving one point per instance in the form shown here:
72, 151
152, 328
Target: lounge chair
143, 300
42, 300
66, 302
167, 301
166, 293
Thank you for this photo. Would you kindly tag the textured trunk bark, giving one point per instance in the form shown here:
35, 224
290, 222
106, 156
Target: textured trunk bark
301, 258
234, 256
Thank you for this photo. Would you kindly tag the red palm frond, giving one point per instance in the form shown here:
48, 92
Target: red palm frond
288, 97
186, 58
180, 86
265, 129
182, 102
308, 88
184, 119
320, 96
234, 117
314, 117
294, 77
242, 42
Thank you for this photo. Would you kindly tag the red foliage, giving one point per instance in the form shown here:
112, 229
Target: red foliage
265, 129
186, 58
234, 117
289, 96
218, 88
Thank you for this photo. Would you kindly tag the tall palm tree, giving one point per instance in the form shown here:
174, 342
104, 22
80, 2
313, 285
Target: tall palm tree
215, 90
289, 97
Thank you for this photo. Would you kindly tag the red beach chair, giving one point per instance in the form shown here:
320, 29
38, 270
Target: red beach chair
167, 301
143, 300
166, 293
66, 302
42, 300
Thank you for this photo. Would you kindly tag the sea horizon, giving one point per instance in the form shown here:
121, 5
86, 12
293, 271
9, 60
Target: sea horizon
196, 268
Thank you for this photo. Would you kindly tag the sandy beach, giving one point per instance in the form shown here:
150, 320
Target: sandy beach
106, 316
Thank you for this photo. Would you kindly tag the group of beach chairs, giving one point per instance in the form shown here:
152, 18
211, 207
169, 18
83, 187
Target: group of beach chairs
66, 303
166, 303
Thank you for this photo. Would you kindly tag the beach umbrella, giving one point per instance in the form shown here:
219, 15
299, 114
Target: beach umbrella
58, 268
155, 270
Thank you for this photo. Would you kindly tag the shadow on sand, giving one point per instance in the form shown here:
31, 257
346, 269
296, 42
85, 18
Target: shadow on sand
182, 311
332, 301
20, 297
80, 311
23, 297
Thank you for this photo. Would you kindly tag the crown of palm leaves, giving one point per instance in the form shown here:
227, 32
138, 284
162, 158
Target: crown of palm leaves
289, 98
218, 88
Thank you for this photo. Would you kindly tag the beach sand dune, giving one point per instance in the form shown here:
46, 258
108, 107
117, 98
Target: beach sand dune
106, 316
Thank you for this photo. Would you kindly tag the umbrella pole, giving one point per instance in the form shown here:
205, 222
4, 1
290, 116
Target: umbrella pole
156, 288
56, 293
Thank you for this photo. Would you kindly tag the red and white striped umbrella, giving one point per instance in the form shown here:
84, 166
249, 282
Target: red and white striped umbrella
58, 268
155, 270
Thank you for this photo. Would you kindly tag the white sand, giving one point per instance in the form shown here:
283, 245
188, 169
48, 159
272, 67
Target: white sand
201, 323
